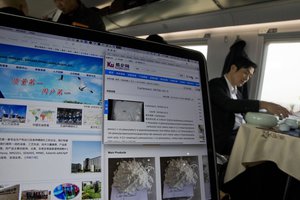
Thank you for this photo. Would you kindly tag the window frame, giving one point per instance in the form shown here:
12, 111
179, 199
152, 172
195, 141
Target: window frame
269, 38
192, 42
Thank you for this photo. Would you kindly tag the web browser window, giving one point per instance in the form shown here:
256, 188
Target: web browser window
152, 99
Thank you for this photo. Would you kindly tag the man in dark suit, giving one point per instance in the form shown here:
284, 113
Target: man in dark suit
77, 14
228, 105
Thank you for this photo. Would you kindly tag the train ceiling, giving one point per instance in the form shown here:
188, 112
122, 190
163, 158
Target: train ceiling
125, 13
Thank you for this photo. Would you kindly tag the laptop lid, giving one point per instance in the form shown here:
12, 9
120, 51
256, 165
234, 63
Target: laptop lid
96, 115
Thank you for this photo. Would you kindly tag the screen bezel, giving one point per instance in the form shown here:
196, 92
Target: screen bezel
36, 25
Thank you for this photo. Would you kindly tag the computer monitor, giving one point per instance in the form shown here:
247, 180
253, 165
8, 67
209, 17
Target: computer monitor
96, 115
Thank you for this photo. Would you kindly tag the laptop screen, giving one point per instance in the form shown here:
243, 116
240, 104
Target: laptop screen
95, 115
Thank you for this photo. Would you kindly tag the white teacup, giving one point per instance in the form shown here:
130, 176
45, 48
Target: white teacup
292, 123
284, 127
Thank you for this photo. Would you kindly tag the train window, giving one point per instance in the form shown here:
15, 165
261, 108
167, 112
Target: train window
281, 74
200, 48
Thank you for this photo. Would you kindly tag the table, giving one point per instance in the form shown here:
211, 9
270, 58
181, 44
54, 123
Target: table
255, 145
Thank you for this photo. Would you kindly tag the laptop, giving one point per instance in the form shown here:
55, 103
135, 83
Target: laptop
96, 115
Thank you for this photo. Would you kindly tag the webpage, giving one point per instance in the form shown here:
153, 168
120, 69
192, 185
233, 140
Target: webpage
50, 117
152, 100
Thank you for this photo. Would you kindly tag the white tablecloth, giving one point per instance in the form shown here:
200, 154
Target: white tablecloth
255, 145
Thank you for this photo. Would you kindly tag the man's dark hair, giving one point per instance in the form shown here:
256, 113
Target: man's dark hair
242, 62
238, 57
156, 38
